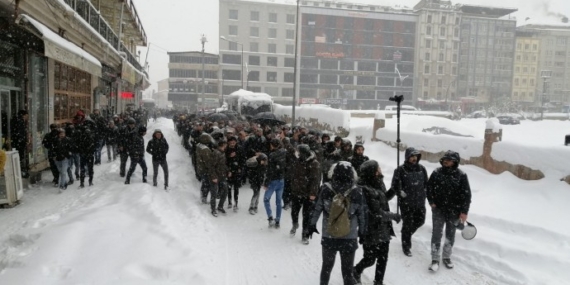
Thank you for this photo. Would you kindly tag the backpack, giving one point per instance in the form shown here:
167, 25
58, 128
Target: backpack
252, 162
338, 224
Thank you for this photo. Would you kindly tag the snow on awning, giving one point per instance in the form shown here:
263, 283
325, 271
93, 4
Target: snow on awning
61, 49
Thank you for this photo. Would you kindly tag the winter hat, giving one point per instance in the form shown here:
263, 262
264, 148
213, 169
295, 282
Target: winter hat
22, 113
80, 113
451, 155
276, 143
343, 176
368, 170
53, 126
304, 151
142, 129
325, 136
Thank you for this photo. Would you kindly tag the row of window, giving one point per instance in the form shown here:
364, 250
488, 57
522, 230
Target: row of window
439, 83
523, 82
442, 44
254, 32
523, 95
525, 70
67, 78
442, 31
196, 87
188, 73
65, 106
526, 58
439, 95
271, 48
192, 59
273, 91
349, 80
441, 70
254, 76
527, 47
256, 60
255, 16
352, 24
441, 57
443, 20
334, 36
351, 65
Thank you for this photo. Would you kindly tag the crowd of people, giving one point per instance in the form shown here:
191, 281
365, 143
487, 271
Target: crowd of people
318, 175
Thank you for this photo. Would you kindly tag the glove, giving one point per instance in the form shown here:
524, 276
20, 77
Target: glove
403, 194
397, 218
312, 230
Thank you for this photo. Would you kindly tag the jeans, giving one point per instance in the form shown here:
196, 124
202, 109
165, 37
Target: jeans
62, 168
86, 162
164, 165
439, 220
277, 187
346, 263
412, 220
54, 170
377, 253
296, 204
99, 144
74, 160
111, 151
134, 162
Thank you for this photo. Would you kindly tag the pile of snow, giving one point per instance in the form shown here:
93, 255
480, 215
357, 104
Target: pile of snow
249, 99
334, 118
493, 124
405, 112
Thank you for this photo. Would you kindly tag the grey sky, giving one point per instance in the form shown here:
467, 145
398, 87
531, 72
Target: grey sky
176, 25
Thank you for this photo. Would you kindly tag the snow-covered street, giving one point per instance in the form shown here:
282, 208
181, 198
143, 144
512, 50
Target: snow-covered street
113, 233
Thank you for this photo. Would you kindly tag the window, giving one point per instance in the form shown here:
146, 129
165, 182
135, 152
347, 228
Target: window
426, 82
272, 33
254, 47
516, 94
233, 14
73, 91
254, 16
290, 19
231, 58
443, 20
253, 76
525, 69
271, 61
428, 43
271, 48
440, 69
233, 30
329, 64
454, 70
271, 76
289, 49
456, 32
428, 30
534, 47
233, 46
254, 32
425, 94
439, 83
272, 17
526, 46
441, 56
429, 18
366, 66
254, 60
385, 81
289, 62
288, 77
309, 78
456, 45
426, 69
441, 44
457, 20
231, 74
328, 79
427, 57
532, 82
442, 32
365, 80
345, 79
287, 92
290, 35
516, 82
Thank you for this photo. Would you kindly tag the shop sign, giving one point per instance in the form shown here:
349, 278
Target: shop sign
308, 100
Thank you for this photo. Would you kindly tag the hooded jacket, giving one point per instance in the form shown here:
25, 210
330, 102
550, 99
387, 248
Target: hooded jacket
236, 163
62, 148
49, 141
345, 155
448, 188
379, 218
158, 148
204, 156
86, 141
306, 177
276, 165
219, 164
136, 148
413, 179
358, 159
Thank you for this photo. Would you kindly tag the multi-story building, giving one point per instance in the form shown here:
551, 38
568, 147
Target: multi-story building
185, 85
486, 55
67, 59
554, 55
258, 46
526, 66
350, 54
437, 53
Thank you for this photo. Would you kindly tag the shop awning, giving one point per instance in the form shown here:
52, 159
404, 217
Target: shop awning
61, 49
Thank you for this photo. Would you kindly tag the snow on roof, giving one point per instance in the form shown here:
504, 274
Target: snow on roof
493, 124
553, 22
248, 98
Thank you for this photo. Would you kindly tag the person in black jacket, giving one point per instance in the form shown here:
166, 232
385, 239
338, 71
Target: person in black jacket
21, 140
358, 157
376, 240
409, 182
235, 161
256, 175
111, 138
274, 181
86, 145
73, 134
62, 152
449, 196
194, 135
136, 153
48, 142
125, 134
158, 148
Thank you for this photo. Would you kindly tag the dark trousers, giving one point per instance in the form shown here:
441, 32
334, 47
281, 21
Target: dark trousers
377, 253
134, 162
123, 156
255, 198
235, 185
222, 192
54, 170
346, 263
287, 192
208, 186
439, 220
24, 162
413, 219
86, 165
296, 204
164, 165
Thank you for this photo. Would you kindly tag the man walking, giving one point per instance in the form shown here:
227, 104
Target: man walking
136, 153
274, 182
449, 196
157, 147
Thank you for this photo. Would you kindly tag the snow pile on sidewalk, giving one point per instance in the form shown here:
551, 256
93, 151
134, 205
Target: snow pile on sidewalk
324, 115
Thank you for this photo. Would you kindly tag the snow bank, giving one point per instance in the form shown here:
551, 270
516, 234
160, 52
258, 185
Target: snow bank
330, 119
552, 161
444, 114
249, 99
493, 124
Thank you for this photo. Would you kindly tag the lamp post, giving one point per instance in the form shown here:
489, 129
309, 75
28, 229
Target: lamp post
447, 93
203, 40
545, 74
294, 101
242, 59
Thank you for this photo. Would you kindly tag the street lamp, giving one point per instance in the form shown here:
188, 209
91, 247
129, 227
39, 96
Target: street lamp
203, 40
242, 59
447, 93
545, 74
294, 101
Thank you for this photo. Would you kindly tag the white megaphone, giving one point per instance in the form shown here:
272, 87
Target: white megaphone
468, 230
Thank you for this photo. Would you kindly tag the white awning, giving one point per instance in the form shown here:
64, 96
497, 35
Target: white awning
61, 49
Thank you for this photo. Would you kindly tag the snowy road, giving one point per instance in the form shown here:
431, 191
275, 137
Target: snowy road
113, 233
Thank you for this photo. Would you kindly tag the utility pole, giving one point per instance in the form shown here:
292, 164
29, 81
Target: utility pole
294, 101
203, 40
545, 74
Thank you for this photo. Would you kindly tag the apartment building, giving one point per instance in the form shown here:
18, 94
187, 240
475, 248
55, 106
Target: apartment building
526, 68
437, 54
258, 46
486, 55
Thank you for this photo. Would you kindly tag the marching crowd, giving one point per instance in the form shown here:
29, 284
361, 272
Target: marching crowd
319, 175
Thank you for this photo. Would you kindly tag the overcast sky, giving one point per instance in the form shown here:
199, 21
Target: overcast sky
176, 25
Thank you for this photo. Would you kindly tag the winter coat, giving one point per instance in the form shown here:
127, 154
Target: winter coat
62, 149
379, 218
306, 177
253, 145
413, 179
346, 154
158, 148
136, 148
276, 165
219, 164
357, 161
85, 143
448, 188
204, 160
49, 141
194, 135
331, 156
235, 164
19, 134
125, 136
111, 135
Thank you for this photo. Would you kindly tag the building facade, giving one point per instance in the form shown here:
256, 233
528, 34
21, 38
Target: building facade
437, 54
185, 86
258, 51
350, 55
486, 56
526, 72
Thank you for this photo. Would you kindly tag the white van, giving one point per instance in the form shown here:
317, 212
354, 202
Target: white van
403, 108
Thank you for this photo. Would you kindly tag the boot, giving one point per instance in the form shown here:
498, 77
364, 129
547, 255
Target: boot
235, 208
221, 211
305, 240
81, 185
357, 276
271, 222
154, 184
144, 179
294, 229
277, 225
229, 205
214, 213
251, 211
204, 202
434, 266
407, 252
128, 181
448, 263
90, 181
